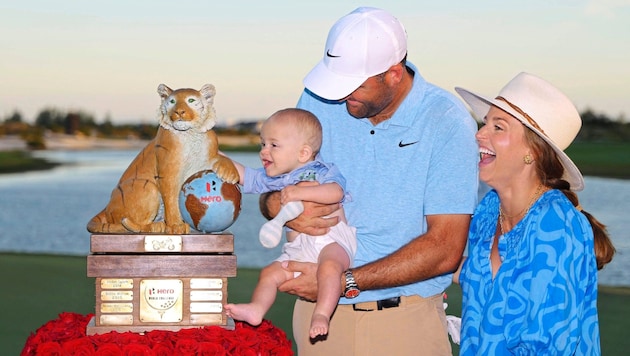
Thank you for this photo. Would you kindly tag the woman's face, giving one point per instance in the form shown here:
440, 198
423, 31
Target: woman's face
502, 147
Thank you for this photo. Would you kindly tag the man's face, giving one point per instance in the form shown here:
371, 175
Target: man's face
369, 99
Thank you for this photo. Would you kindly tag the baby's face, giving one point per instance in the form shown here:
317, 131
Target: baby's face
280, 146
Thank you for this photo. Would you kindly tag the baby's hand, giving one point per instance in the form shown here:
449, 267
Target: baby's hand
289, 193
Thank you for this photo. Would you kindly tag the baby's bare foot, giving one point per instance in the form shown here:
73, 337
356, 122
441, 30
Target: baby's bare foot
244, 312
319, 325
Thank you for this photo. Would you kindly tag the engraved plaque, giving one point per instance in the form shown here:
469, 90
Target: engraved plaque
200, 307
161, 300
206, 319
162, 243
116, 295
115, 319
206, 295
116, 308
116, 283
206, 283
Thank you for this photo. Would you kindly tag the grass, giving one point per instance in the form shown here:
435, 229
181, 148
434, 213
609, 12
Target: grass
20, 161
602, 159
37, 288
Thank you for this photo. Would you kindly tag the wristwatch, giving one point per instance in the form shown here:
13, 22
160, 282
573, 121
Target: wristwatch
352, 289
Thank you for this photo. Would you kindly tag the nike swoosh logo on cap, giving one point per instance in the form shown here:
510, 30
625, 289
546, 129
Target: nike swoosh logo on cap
401, 144
331, 55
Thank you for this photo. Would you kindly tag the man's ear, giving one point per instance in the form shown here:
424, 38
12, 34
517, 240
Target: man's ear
395, 73
306, 153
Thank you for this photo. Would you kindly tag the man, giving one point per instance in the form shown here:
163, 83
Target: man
408, 151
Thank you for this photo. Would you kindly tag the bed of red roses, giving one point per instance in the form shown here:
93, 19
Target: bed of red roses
66, 336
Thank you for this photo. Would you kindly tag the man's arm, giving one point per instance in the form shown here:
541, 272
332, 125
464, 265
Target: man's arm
437, 252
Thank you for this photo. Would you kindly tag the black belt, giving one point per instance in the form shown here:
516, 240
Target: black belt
377, 305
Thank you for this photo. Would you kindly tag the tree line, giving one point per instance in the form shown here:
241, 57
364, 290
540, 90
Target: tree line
596, 127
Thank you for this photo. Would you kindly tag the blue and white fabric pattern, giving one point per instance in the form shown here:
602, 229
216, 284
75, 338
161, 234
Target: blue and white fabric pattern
543, 298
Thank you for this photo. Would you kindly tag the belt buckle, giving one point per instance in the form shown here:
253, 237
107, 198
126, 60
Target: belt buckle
388, 303
380, 304
355, 308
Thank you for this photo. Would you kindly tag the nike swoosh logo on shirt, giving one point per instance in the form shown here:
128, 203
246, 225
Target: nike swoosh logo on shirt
401, 144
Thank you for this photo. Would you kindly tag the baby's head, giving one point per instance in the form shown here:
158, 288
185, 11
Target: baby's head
290, 138
300, 124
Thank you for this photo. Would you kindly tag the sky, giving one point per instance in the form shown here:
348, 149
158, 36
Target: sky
107, 58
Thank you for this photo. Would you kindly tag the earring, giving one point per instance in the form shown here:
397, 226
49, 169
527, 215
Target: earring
528, 159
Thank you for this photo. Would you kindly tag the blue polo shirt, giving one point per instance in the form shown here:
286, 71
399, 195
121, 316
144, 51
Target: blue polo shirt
422, 161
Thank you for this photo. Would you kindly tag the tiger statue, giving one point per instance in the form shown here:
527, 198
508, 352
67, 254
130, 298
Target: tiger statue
184, 144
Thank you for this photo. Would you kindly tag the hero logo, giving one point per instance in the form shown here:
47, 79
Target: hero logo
154, 291
211, 198
161, 298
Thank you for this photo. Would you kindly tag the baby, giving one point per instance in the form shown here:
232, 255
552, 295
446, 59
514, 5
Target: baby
290, 143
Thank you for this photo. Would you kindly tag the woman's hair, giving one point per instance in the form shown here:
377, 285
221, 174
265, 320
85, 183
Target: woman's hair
550, 171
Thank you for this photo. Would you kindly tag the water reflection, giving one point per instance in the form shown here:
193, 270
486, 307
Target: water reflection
46, 211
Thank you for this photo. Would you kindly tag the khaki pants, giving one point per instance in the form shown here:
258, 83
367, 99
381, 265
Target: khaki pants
416, 327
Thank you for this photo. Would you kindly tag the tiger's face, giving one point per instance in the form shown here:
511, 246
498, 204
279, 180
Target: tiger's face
186, 109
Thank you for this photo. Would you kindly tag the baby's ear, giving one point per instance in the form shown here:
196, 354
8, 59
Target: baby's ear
306, 153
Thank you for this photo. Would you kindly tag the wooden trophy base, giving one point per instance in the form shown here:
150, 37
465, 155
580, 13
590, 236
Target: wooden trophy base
160, 282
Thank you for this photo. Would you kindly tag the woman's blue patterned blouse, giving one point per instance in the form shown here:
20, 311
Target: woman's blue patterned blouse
543, 299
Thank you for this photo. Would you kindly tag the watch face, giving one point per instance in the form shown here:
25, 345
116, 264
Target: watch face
352, 293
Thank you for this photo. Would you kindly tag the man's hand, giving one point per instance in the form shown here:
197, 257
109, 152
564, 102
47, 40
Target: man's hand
312, 221
289, 193
305, 285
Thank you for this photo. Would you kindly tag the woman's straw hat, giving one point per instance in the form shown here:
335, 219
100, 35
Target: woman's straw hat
542, 108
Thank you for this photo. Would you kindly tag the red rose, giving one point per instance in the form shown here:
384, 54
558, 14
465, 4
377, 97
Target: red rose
30, 346
50, 348
186, 347
68, 326
163, 349
66, 336
108, 350
158, 336
247, 337
128, 338
111, 337
190, 333
214, 334
80, 347
136, 350
210, 349
241, 350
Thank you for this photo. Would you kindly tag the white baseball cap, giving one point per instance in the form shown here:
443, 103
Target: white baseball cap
364, 43
542, 108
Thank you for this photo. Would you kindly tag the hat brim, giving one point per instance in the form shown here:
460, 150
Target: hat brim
480, 106
329, 85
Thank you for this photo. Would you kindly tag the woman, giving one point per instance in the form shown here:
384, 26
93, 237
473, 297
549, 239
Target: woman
530, 280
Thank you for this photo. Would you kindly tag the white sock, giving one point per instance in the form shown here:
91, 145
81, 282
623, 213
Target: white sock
271, 232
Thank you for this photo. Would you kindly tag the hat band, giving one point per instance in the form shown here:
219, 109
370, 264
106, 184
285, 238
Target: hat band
518, 110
